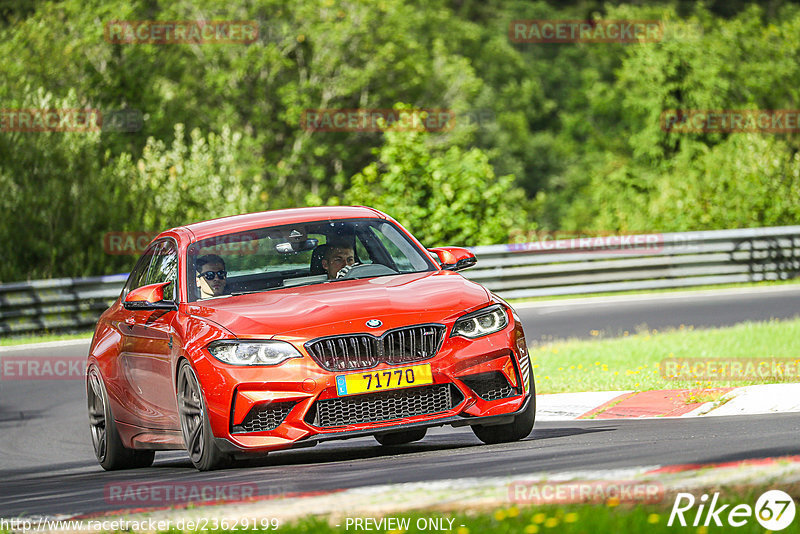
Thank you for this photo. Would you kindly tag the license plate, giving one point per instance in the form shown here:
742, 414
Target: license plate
370, 381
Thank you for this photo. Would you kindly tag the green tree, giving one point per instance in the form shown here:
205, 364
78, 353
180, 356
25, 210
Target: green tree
184, 182
577, 125
638, 177
448, 196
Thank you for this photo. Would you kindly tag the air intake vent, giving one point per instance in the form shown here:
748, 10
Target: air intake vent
264, 417
490, 386
385, 406
363, 351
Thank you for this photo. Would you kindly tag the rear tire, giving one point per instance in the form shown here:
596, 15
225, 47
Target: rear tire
518, 429
108, 447
391, 439
195, 426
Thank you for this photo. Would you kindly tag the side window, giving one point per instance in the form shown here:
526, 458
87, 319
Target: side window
138, 276
164, 267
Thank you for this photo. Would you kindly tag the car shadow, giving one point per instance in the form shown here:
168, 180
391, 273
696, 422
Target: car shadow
551, 433
327, 453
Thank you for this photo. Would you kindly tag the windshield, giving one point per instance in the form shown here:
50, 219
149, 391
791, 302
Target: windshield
301, 254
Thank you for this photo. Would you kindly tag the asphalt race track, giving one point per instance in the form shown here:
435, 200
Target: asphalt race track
614, 315
81, 487
48, 468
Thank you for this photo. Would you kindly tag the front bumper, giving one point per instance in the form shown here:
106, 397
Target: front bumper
226, 445
290, 394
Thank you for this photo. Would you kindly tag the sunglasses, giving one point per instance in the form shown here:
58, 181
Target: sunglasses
210, 275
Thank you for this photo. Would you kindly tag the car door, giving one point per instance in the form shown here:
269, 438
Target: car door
147, 347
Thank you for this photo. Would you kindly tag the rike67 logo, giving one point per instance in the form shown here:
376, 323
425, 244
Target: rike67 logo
774, 510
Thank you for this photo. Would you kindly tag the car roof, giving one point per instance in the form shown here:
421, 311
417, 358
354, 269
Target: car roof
249, 221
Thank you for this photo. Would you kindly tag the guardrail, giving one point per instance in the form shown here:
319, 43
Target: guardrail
57, 304
647, 261
538, 268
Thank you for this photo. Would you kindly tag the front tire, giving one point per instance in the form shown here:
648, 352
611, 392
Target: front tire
518, 429
108, 447
195, 426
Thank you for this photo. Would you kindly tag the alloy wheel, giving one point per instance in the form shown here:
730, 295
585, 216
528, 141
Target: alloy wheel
190, 407
97, 415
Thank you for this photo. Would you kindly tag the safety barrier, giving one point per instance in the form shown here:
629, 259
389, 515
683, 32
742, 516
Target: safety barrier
638, 262
57, 304
571, 266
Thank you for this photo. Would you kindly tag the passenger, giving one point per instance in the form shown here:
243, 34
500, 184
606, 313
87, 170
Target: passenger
211, 276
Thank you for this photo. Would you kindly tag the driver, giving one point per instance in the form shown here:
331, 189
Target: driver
211, 276
337, 257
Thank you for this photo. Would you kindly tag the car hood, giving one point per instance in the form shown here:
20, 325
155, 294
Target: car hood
344, 306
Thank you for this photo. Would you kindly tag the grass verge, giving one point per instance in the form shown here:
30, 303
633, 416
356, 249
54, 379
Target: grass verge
514, 520
609, 516
636, 362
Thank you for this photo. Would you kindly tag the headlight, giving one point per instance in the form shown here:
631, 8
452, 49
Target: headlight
481, 323
253, 352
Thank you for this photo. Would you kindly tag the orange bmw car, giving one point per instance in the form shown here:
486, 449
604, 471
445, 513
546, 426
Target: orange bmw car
268, 331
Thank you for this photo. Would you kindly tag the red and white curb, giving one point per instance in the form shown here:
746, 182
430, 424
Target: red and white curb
748, 400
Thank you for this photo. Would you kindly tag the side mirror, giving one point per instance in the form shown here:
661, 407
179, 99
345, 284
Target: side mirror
454, 258
149, 297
